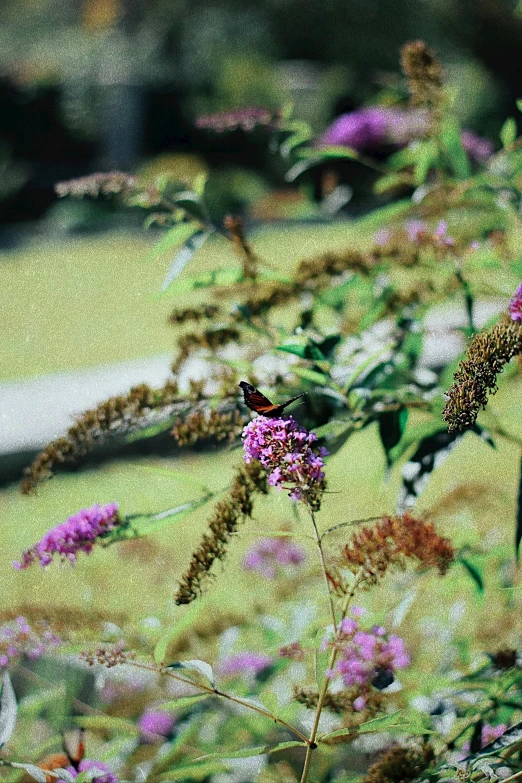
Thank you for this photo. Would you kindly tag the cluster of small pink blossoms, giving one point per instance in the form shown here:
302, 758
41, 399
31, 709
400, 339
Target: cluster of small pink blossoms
515, 305
284, 450
268, 555
246, 663
78, 534
17, 638
366, 657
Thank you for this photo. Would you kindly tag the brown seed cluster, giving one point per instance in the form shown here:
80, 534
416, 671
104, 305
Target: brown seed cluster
227, 514
392, 542
211, 339
108, 656
488, 352
103, 183
342, 701
208, 426
401, 764
193, 314
424, 74
123, 409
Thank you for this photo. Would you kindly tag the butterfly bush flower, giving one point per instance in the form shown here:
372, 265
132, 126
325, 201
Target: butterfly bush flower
245, 663
268, 554
78, 534
367, 659
17, 638
515, 305
284, 449
155, 725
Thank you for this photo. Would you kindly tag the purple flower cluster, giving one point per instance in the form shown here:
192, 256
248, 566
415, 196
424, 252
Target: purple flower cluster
370, 127
155, 725
18, 638
268, 554
284, 449
78, 534
105, 776
515, 305
244, 663
366, 658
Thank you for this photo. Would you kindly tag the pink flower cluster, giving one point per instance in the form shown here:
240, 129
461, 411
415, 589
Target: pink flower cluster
155, 725
515, 305
85, 765
284, 449
245, 663
366, 657
18, 638
78, 534
269, 554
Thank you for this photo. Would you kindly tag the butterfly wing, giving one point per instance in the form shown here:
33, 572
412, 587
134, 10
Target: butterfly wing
293, 399
256, 401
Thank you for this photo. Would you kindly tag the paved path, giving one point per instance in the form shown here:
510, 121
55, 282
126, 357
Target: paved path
34, 411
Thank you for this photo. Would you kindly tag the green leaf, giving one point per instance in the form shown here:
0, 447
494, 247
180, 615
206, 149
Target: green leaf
176, 631
451, 140
259, 751
269, 699
151, 430
300, 167
175, 236
193, 205
151, 523
35, 772
473, 572
391, 428
202, 667
306, 351
508, 132
8, 709
196, 771
425, 158
334, 434
226, 276
389, 182
331, 151
312, 375
178, 705
404, 721
183, 256
106, 723
301, 133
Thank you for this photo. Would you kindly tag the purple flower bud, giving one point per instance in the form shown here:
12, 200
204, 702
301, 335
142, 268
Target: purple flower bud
515, 305
155, 725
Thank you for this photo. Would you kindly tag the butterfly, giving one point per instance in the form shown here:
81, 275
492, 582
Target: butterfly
260, 404
72, 754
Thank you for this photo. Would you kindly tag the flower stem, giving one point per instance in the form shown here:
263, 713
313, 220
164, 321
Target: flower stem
323, 567
326, 683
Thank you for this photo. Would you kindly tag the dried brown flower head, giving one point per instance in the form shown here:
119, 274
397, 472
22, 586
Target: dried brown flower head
505, 659
211, 339
487, 354
424, 74
193, 314
342, 701
401, 764
209, 426
227, 514
392, 542
122, 411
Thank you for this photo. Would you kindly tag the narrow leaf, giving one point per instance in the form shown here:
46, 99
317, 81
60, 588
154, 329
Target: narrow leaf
518, 529
183, 256
197, 771
248, 752
35, 772
431, 452
106, 723
8, 709
174, 236
202, 667
473, 572
300, 167
458, 160
508, 132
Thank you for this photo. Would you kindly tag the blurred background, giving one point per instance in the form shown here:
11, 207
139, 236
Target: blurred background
89, 85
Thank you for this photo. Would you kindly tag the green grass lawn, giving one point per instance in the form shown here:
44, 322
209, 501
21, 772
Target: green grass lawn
89, 301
